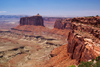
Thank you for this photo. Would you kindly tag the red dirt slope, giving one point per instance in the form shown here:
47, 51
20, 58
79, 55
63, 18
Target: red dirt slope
60, 58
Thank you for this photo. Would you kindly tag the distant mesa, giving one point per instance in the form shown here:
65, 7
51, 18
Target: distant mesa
62, 23
33, 20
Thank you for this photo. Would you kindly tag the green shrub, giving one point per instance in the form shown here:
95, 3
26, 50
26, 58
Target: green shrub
98, 64
93, 63
98, 58
97, 15
85, 64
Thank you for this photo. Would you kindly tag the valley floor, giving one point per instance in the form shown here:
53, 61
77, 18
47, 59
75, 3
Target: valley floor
32, 51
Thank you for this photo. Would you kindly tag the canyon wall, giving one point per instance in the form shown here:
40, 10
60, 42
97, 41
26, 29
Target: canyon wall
84, 39
82, 45
62, 24
82, 49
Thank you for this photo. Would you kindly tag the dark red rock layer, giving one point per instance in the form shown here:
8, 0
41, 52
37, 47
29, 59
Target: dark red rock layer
80, 46
34, 20
80, 51
62, 24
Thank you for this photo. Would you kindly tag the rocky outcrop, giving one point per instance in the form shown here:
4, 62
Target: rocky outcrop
84, 38
34, 20
62, 24
87, 20
79, 47
86, 28
82, 49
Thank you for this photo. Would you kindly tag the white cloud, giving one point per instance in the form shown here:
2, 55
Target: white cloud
3, 11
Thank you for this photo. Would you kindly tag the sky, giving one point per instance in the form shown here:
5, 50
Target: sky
58, 8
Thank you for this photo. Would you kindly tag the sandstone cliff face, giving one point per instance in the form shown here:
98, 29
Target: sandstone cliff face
78, 49
82, 46
62, 24
34, 20
85, 38
82, 49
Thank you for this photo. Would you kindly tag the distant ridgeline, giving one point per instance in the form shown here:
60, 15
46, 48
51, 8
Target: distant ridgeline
12, 16
33, 20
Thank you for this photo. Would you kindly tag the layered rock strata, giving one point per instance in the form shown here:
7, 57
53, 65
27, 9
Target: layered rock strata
62, 24
82, 49
82, 46
84, 42
34, 20
87, 28
95, 21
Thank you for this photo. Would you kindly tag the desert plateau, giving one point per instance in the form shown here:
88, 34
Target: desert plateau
50, 39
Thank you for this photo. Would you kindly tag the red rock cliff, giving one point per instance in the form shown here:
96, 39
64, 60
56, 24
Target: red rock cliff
34, 20
82, 49
79, 48
62, 24
81, 43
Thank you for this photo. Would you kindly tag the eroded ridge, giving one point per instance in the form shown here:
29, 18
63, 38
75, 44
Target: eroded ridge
83, 44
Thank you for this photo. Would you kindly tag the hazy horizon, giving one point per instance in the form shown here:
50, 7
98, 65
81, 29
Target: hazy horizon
50, 8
